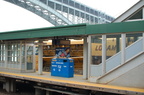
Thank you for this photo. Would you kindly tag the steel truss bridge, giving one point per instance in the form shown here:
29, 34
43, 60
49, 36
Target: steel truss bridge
63, 12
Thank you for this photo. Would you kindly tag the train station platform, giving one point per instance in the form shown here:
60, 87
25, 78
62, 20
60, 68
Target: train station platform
75, 82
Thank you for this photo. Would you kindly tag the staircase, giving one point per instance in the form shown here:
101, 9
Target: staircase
130, 73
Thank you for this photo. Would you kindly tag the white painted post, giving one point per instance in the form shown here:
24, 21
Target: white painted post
25, 56
20, 55
143, 33
103, 54
123, 46
34, 58
89, 55
40, 57
85, 59
6, 54
143, 41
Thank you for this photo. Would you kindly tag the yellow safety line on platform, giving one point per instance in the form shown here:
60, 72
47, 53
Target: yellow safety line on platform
77, 83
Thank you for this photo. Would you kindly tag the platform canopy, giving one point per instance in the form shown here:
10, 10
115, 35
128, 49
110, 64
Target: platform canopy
74, 30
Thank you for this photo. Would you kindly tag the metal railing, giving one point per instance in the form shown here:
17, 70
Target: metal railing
113, 62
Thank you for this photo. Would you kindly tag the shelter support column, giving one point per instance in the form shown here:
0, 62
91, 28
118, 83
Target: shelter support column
40, 57
20, 56
103, 54
123, 46
89, 54
6, 54
85, 59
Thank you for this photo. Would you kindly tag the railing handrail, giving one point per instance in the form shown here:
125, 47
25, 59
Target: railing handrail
133, 43
125, 49
120, 65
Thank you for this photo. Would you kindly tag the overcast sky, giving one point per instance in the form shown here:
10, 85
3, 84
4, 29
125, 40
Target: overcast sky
15, 18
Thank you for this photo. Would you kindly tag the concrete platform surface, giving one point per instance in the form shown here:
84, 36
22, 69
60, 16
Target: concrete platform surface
77, 82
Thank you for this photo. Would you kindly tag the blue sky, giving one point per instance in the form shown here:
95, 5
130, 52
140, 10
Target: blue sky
15, 18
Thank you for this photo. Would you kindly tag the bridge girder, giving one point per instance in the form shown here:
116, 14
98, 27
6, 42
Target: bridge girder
57, 12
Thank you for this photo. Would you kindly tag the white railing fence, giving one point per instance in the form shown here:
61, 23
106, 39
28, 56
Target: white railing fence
130, 52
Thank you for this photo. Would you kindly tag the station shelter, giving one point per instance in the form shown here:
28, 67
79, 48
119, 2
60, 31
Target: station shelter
111, 54
32, 50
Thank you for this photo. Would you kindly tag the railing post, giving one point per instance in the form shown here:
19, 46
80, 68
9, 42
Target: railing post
143, 33
123, 46
103, 54
143, 41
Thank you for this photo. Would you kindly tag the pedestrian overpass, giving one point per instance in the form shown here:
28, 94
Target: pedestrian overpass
63, 12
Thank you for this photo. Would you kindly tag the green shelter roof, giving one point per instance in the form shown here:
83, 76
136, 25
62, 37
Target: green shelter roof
74, 30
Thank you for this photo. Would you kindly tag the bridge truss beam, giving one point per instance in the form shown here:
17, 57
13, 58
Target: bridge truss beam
63, 12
